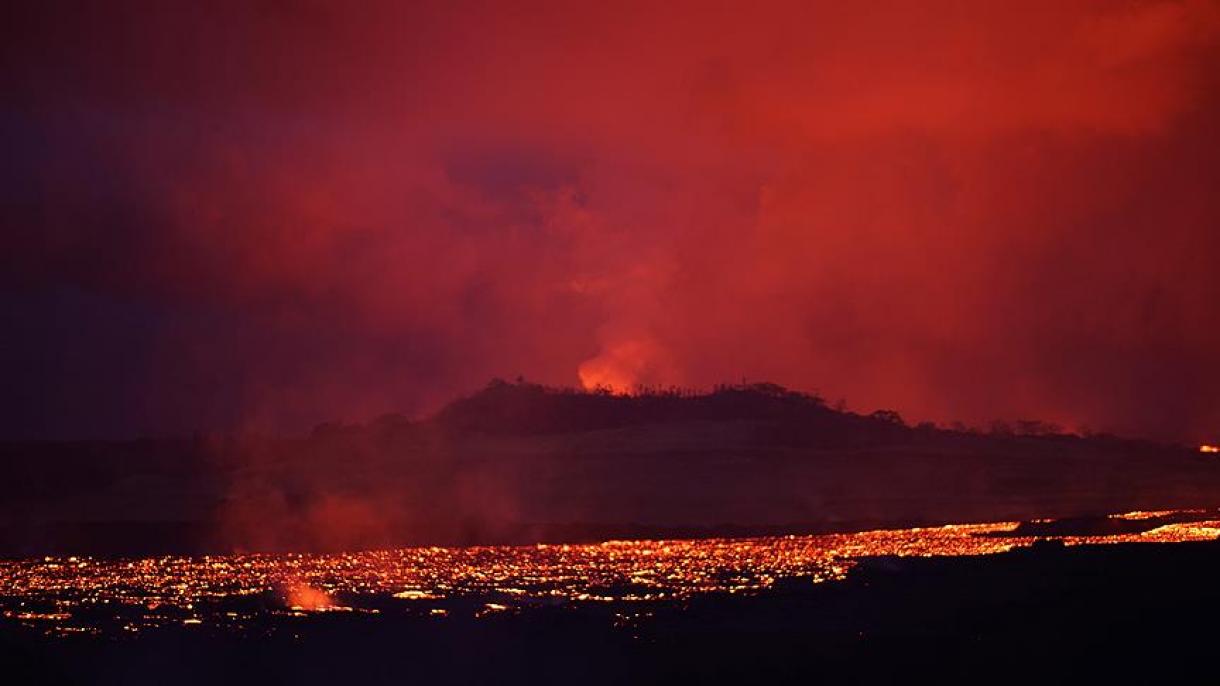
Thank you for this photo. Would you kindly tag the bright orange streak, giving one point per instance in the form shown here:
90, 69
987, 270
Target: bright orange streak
1209, 449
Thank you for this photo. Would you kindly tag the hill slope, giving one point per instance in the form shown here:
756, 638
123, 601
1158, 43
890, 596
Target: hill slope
521, 463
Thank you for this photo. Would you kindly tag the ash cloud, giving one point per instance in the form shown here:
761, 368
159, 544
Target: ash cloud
266, 216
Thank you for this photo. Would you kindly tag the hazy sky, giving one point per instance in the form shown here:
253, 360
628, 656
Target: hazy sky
263, 215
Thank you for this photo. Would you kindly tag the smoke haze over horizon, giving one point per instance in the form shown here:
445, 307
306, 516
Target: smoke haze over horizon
265, 215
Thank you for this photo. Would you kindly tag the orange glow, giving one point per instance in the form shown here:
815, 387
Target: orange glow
46, 595
1209, 449
595, 375
619, 368
302, 597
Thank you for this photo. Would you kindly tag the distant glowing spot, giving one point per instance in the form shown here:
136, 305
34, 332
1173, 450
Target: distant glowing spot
491, 608
414, 594
306, 598
1144, 514
597, 375
620, 368
1209, 448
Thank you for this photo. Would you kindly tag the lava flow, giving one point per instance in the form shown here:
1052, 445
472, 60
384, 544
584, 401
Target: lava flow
65, 595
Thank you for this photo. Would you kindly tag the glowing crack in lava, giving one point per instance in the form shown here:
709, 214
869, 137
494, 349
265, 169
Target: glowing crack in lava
1211, 449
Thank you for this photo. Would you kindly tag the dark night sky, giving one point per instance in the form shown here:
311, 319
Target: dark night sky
263, 215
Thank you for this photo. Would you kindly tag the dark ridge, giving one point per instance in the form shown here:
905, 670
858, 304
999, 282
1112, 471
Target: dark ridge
526, 408
521, 463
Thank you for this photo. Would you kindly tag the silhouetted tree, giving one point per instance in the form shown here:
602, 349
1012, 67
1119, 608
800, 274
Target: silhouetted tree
888, 416
1036, 427
1000, 427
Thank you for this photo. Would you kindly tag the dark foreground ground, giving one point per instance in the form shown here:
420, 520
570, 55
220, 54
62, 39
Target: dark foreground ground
1124, 613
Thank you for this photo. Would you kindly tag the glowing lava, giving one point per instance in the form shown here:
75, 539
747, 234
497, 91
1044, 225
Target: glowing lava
63, 596
309, 599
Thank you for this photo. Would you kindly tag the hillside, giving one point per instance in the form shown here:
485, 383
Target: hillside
518, 462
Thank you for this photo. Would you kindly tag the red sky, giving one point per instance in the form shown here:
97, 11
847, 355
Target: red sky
263, 215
